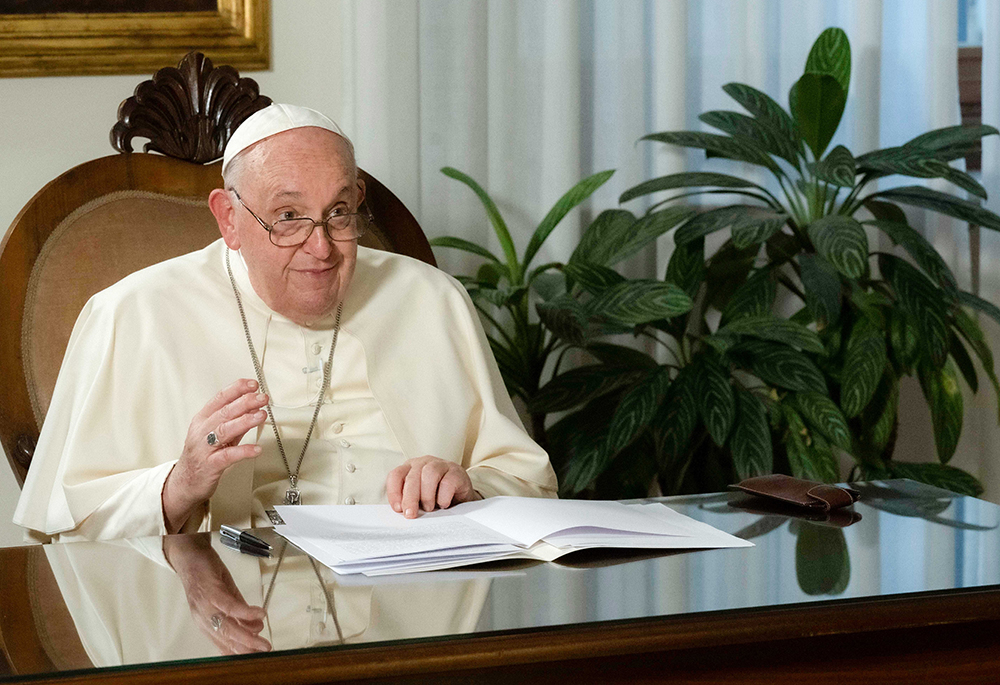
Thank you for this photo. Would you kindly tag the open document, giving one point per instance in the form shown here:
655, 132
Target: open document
374, 540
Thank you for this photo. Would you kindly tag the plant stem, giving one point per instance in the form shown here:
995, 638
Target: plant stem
846, 208
542, 269
666, 345
795, 208
787, 282
649, 334
495, 324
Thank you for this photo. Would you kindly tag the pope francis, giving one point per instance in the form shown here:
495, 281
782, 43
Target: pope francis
280, 364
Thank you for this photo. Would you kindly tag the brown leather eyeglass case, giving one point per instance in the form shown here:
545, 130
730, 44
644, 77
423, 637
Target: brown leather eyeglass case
799, 492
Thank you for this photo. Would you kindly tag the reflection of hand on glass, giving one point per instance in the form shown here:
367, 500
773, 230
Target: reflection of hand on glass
217, 605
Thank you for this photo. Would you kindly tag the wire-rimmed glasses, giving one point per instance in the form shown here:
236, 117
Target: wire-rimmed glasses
340, 226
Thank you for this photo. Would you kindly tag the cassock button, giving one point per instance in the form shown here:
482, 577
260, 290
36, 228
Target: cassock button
344, 443
349, 500
338, 428
317, 348
351, 468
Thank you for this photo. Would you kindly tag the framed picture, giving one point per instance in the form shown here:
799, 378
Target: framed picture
71, 37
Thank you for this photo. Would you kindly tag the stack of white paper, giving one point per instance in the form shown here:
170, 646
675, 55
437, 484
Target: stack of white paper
375, 540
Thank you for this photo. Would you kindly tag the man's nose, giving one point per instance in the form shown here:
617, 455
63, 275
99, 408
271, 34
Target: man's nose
319, 243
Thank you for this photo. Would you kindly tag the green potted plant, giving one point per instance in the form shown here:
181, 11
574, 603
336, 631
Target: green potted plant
746, 390
504, 289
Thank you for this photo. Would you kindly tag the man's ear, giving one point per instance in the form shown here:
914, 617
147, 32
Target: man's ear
361, 191
221, 204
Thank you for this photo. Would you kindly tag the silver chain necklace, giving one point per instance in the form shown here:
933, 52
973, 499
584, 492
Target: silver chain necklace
292, 495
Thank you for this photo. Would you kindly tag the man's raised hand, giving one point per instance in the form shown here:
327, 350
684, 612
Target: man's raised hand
227, 416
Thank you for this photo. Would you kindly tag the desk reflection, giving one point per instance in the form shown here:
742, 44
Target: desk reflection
158, 601
911, 559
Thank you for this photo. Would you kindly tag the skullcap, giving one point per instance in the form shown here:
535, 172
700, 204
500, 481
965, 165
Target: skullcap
271, 120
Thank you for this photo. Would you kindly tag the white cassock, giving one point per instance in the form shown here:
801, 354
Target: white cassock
140, 613
412, 376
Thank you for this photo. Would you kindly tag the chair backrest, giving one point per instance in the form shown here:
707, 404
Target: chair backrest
106, 218
37, 633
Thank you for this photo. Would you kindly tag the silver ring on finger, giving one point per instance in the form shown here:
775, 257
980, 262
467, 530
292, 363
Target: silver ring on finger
216, 621
212, 439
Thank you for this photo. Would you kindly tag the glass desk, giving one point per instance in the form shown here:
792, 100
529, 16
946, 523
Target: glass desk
910, 591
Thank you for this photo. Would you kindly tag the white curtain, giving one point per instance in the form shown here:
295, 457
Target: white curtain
529, 97
982, 416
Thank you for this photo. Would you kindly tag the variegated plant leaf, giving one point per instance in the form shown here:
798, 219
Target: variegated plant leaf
940, 386
820, 412
838, 168
817, 101
574, 196
677, 417
636, 410
719, 146
922, 301
823, 288
686, 267
639, 301
943, 203
831, 54
690, 179
716, 402
755, 298
973, 334
583, 384
757, 131
842, 242
779, 365
594, 278
778, 330
762, 106
750, 442
864, 363
921, 250
617, 234
756, 225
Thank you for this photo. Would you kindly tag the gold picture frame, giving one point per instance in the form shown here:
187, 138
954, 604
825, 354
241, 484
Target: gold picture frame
135, 41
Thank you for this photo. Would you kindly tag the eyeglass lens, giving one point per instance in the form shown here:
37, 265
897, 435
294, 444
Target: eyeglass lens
340, 228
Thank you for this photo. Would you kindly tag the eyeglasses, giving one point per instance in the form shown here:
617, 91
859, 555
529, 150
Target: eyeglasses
340, 226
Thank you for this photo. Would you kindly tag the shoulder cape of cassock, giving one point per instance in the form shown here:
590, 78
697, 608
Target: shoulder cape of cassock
146, 355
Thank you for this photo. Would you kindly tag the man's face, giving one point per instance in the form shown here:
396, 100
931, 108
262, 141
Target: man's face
301, 172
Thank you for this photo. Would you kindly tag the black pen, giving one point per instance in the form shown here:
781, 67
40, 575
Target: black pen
244, 549
243, 537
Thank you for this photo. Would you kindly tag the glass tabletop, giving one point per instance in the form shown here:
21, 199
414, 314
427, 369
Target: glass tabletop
180, 598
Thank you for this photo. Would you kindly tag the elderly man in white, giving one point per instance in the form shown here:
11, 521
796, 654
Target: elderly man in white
337, 373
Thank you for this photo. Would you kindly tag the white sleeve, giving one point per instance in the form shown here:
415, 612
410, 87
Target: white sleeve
501, 458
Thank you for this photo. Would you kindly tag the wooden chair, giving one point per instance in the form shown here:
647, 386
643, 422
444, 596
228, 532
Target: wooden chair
37, 634
104, 219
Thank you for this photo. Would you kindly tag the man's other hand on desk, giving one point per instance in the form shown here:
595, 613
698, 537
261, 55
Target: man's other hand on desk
428, 483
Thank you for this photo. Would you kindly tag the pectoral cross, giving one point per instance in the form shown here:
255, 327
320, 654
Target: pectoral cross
292, 494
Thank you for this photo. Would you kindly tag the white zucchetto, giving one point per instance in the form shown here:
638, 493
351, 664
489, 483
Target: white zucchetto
272, 120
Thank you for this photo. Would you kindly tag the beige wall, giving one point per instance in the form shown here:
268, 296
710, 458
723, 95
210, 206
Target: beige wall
48, 125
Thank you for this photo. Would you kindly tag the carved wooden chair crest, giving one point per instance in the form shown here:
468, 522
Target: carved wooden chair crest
106, 218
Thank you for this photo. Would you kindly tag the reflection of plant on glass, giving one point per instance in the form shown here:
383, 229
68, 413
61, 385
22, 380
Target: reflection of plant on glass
502, 291
907, 499
747, 390
822, 560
